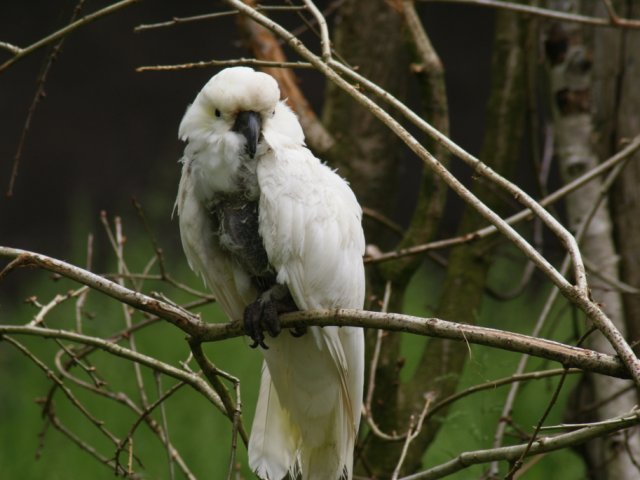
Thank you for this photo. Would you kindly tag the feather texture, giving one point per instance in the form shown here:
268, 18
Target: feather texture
308, 411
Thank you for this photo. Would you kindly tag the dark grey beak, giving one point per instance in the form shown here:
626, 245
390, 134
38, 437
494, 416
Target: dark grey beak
249, 124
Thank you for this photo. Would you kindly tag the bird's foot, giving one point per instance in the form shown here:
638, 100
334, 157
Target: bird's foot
259, 316
262, 315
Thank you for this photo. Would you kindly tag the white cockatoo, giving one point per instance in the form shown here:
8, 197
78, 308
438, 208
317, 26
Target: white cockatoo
271, 229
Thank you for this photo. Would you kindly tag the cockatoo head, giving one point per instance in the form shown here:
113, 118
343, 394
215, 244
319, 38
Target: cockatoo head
238, 100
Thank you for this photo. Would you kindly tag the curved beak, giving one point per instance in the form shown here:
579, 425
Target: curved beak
249, 124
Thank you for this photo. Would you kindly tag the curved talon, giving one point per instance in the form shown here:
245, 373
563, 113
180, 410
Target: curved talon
298, 331
270, 319
251, 324
259, 316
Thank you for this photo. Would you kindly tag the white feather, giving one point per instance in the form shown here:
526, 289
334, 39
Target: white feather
308, 409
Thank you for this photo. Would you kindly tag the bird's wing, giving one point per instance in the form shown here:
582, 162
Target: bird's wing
310, 223
229, 283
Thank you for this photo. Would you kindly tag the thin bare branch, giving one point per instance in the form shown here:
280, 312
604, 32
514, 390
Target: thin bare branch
10, 48
212, 373
612, 21
493, 384
211, 16
182, 20
324, 30
247, 62
128, 438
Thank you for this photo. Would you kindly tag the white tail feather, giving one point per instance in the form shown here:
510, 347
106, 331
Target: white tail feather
273, 442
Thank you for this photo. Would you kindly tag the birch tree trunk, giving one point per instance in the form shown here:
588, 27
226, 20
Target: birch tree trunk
626, 192
571, 68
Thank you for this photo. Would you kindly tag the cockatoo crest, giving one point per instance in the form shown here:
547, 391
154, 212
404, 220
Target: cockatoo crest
231, 91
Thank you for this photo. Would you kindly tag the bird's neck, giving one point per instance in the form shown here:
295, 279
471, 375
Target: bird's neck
222, 167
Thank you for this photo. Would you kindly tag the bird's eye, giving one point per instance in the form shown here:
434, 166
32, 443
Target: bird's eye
217, 113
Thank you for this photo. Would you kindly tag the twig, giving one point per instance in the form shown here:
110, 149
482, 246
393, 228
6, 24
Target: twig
519, 462
211, 372
614, 282
165, 424
181, 20
99, 424
310, 24
491, 385
367, 409
10, 48
82, 298
210, 16
324, 30
612, 21
115, 244
122, 267
156, 247
235, 429
128, 438
383, 220
57, 300
55, 421
66, 31
414, 430
248, 62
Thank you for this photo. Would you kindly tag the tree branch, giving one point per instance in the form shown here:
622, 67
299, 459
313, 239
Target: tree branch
542, 445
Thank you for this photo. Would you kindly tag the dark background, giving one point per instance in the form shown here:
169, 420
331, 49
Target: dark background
105, 133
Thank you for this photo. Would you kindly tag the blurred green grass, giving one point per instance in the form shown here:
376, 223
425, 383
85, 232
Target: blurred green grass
198, 430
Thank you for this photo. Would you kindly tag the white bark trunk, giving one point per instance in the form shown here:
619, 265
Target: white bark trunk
571, 98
